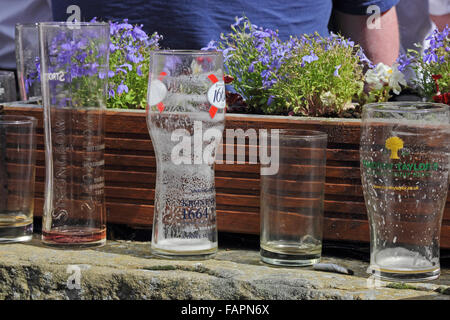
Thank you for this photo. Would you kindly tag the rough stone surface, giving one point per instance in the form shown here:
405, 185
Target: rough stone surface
126, 270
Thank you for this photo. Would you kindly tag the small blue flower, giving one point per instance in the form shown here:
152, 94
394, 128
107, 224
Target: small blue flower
122, 88
226, 53
238, 21
212, 45
311, 58
336, 70
126, 65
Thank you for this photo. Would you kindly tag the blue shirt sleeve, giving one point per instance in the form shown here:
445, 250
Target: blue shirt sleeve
359, 7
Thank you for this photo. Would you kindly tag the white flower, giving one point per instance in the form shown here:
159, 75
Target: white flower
383, 75
328, 98
196, 67
396, 79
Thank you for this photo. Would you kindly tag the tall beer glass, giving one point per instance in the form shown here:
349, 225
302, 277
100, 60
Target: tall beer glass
185, 117
405, 149
74, 68
27, 53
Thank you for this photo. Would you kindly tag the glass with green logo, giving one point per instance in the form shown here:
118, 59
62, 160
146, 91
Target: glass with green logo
404, 153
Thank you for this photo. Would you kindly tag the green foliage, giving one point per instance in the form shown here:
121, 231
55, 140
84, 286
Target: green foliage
321, 77
431, 66
129, 65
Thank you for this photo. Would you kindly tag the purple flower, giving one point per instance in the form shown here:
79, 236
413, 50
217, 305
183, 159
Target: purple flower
134, 59
226, 53
311, 58
139, 34
336, 70
212, 45
113, 47
403, 62
261, 34
429, 57
363, 58
139, 71
238, 21
122, 88
121, 70
126, 65
125, 25
111, 93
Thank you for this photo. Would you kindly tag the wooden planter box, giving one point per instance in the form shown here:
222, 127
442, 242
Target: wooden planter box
130, 175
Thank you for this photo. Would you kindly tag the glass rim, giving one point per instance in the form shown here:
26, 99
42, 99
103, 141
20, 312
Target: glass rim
17, 120
399, 107
75, 24
28, 24
6, 72
185, 52
300, 134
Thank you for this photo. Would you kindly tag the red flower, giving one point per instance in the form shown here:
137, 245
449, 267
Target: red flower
436, 77
228, 79
442, 98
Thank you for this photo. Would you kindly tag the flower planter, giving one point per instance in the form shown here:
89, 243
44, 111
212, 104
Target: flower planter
130, 175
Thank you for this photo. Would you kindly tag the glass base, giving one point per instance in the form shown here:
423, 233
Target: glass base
289, 260
184, 254
403, 275
74, 246
16, 234
74, 237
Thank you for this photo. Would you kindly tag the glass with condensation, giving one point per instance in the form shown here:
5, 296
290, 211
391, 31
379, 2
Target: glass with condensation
185, 118
405, 152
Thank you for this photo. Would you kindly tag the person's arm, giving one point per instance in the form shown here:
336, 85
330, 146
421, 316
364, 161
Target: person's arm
380, 45
440, 13
441, 21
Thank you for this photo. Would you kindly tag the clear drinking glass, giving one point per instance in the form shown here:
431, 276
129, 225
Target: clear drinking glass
292, 199
17, 172
74, 69
27, 57
185, 117
7, 86
405, 149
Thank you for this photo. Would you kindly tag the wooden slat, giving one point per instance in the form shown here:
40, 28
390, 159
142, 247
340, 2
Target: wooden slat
130, 175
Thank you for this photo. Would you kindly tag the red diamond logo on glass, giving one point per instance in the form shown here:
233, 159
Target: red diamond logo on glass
215, 95
212, 111
160, 107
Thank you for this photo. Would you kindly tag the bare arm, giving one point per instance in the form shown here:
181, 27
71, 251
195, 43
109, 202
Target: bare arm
441, 21
380, 45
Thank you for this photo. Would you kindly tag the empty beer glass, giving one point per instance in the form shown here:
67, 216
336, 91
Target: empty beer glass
185, 117
7, 86
292, 198
405, 149
74, 68
17, 172
27, 60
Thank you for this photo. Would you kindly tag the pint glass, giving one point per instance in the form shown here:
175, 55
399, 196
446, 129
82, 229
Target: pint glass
27, 53
17, 172
74, 68
405, 149
185, 117
292, 199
